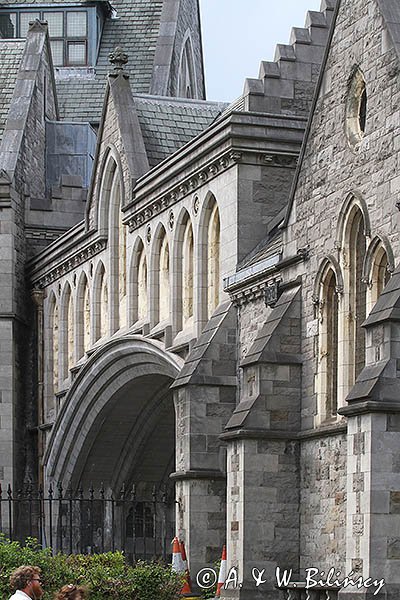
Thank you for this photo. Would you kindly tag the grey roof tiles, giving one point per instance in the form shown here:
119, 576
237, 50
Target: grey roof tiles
10, 58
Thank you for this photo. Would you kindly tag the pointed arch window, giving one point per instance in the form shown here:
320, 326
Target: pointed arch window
139, 306
327, 388
100, 304
164, 273
186, 75
357, 292
213, 260
378, 266
54, 345
187, 272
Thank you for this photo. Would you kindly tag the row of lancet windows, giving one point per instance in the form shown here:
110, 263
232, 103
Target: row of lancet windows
169, 282
346, 291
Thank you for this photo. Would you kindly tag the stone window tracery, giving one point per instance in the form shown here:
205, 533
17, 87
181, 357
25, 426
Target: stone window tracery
186, 75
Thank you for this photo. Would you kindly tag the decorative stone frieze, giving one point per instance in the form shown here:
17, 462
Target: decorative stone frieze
72, 263
204, 174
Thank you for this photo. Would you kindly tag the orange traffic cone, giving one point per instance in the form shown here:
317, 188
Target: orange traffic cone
177, 562
222, 573
187, 587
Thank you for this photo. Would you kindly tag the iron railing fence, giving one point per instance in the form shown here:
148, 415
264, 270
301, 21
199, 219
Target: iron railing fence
141, 525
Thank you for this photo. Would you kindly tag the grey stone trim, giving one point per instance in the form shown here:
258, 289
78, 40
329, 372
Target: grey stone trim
69, 264
189, 185
312, 110
197, 474
263, 349
207, 172
129, 126
369, 406
165, 47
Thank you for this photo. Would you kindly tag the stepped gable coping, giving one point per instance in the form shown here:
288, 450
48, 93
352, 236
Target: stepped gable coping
313, 106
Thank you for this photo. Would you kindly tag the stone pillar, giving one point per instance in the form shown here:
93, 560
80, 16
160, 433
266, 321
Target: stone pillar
263, 456
204, 396
373, 464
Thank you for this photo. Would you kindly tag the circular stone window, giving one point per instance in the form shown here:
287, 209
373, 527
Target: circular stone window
356, 110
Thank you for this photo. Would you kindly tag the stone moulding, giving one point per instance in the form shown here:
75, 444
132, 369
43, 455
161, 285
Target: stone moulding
206, 173
68, 265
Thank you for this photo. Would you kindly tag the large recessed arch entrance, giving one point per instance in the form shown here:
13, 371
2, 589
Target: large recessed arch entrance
116, 431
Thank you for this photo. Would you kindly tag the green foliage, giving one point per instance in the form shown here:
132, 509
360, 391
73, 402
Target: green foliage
107, 576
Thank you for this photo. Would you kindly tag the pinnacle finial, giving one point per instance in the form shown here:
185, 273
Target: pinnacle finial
118, 58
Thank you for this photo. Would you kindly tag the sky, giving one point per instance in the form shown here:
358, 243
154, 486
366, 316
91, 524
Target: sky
238, 34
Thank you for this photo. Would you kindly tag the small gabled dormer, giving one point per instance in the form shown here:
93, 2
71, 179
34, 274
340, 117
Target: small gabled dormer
74, 27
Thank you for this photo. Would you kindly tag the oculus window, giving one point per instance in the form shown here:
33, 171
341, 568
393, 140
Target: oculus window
356, 110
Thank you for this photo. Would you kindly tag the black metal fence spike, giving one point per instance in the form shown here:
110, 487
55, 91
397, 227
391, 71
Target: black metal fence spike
135, 520
133, 492
123, 492
69, 491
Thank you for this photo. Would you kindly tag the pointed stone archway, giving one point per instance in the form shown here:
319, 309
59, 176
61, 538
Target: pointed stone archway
117, 422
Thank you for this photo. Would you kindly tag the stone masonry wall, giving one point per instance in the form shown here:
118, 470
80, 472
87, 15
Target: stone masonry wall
331, 170
323, 503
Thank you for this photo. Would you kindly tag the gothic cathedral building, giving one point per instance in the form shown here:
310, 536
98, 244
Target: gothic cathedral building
203, 299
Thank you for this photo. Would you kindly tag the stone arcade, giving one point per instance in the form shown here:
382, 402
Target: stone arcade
207, 294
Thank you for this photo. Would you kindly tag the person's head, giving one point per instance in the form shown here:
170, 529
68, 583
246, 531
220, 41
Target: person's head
71, 592
28, 579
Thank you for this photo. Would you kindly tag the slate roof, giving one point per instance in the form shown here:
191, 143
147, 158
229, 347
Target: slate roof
10, 58
136, 29
169, 123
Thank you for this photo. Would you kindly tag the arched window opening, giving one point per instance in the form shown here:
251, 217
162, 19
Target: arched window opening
186, 76
357, 289
328, 348
356, 110
82, 317
86, 318
164, 287
54, 346
187, 270
142, 285
103, 306
122, 268
213, 261
67, 333
379, 277
100, 304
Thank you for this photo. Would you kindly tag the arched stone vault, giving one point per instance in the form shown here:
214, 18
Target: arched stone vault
117, 418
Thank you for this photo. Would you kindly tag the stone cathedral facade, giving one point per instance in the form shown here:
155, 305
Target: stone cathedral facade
206, 296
